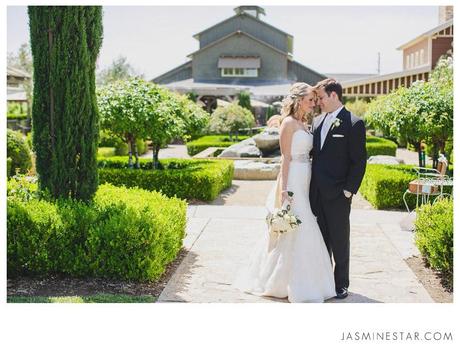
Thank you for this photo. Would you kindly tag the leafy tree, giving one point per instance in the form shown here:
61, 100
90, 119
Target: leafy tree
119, 70
358, 107
135, 109
422, 112
230, 119
65, 42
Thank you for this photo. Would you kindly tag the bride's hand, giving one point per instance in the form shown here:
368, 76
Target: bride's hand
285, 196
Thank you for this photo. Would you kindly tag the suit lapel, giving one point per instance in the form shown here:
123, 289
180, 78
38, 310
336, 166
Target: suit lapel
329, 132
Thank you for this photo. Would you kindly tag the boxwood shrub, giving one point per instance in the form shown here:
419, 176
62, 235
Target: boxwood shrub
19, 152
124, 233
384, 185
434, 236
199, 145
183, 178
380, 146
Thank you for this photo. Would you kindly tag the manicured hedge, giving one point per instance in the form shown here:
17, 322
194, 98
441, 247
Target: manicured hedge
434, 236
19, 152
183, 178
384, 185
199, 145
125, 234
380, 146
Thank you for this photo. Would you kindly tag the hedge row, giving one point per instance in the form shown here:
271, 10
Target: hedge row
380, 146
199, 145
183, 178
125, 234
434, 236
384, 185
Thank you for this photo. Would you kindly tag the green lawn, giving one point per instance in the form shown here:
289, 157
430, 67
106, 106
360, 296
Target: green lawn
98, 298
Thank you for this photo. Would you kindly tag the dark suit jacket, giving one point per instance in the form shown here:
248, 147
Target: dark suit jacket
341, 163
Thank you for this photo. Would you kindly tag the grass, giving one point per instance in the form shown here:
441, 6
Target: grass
97, 299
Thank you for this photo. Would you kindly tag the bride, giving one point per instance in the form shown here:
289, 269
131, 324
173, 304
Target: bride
295, 264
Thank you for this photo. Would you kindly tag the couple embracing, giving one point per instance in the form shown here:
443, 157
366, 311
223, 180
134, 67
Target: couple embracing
323, 164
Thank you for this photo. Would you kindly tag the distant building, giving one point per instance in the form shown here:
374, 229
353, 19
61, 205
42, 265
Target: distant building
420, 56
240, 53
15, 79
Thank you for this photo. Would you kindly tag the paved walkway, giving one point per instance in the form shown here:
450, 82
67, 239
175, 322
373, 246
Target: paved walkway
221, 236
220, 240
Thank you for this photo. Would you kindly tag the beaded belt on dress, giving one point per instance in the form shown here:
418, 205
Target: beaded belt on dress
302, 158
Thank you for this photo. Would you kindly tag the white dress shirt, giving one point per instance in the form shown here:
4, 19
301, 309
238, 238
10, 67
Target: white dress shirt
327, 124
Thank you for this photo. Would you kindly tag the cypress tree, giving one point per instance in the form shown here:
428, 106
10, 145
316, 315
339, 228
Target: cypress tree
65, 42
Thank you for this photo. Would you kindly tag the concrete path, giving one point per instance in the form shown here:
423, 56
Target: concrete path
220, 240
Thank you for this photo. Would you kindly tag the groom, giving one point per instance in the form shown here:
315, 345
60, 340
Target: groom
339, 163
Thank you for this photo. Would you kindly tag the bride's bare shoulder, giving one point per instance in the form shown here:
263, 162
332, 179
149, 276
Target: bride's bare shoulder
288, 124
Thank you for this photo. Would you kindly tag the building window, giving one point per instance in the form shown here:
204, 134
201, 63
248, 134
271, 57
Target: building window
239, 72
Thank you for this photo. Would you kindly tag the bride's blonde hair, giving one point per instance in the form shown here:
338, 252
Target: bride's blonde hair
291, 103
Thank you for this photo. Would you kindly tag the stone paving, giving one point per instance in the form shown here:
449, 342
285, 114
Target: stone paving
220, 240
221, 236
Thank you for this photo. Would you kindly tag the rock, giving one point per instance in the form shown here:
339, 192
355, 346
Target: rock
255, 170
268, 140
246, 148
385, 159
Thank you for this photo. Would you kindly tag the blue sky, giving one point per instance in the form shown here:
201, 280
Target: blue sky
328, 39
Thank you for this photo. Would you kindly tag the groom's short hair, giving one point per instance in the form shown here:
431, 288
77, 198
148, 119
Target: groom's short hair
330, 85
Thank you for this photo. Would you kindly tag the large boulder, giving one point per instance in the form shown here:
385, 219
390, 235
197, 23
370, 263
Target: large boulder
255, 170
246, 148
268, 140
385, 159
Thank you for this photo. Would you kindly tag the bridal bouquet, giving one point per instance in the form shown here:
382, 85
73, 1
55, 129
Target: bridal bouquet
282, 220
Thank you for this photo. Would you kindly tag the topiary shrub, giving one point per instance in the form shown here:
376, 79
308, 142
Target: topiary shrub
434, 235
19, 152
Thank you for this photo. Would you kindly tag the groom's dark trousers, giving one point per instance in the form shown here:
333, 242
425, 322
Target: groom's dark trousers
339, 165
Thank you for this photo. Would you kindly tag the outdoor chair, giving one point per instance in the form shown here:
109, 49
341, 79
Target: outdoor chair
429, 183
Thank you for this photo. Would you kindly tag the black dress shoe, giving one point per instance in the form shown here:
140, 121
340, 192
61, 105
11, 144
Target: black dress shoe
342, 293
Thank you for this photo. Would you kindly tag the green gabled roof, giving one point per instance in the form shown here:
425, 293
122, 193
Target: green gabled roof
238, 33
197, 36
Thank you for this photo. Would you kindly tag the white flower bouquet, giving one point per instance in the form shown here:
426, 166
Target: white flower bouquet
282, 220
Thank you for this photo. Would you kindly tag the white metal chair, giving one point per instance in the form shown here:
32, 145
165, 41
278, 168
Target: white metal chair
429, 183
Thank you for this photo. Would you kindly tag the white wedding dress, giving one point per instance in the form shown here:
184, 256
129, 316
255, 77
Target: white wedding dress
295, 264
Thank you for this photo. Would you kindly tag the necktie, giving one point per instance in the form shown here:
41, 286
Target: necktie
325, 128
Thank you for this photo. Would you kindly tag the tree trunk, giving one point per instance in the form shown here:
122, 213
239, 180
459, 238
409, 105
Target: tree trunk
136, 154
421, 159
65, 42
156, 149
130, 152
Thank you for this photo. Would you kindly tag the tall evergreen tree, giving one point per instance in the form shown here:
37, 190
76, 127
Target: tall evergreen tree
65, 42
